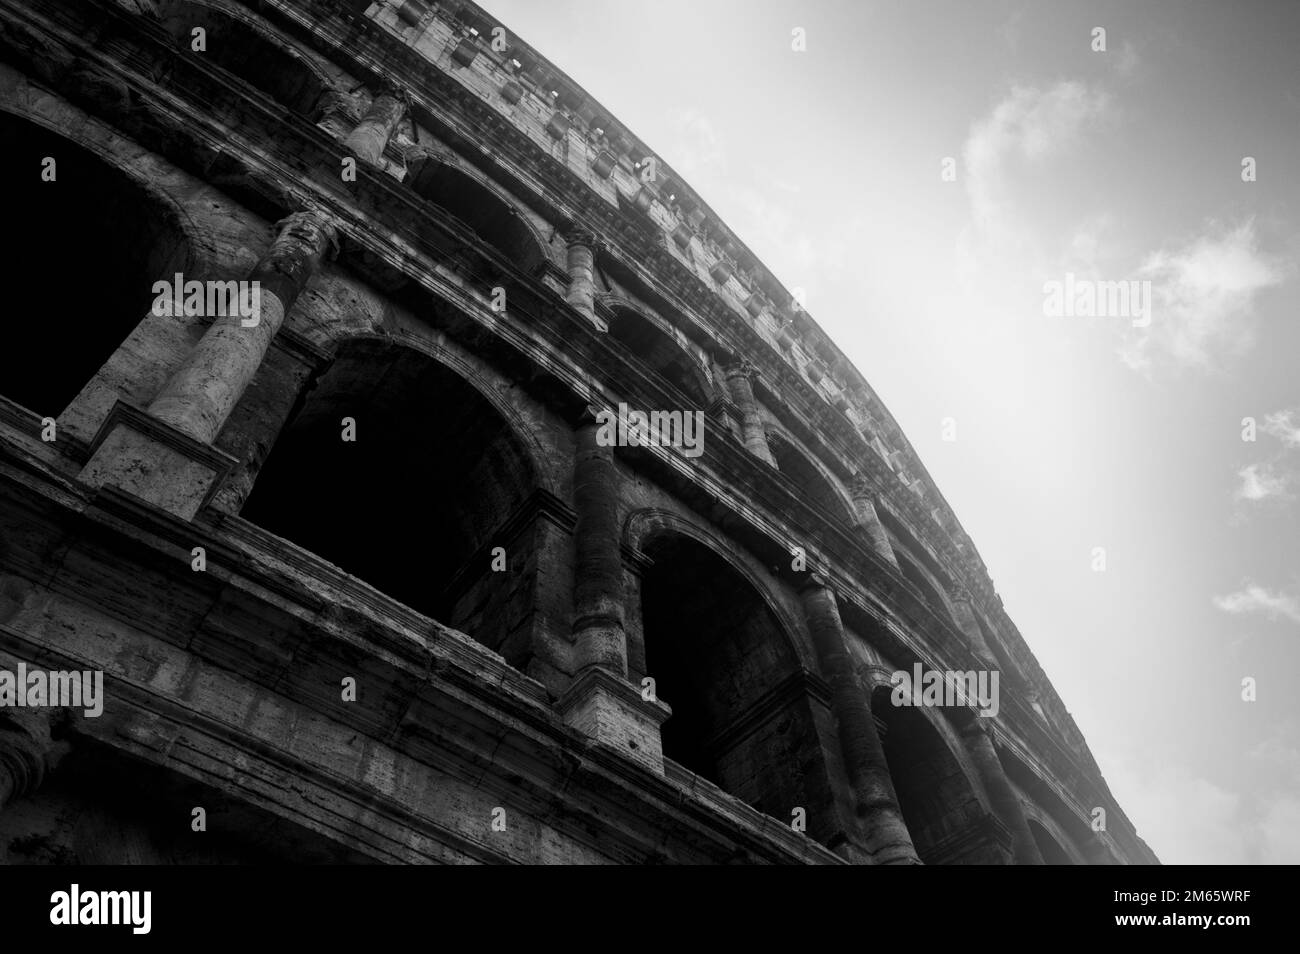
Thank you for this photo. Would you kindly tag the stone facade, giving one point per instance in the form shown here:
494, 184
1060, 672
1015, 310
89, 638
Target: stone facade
364, 579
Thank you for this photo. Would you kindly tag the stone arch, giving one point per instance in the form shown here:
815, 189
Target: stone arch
435, 479
809, 475
941, 800
1050, 844
901, 533
481, 207
916, 574
102, 201
650, 522
747, 715
1054, 842
248, 48
993, 640
1057, 814
650, 340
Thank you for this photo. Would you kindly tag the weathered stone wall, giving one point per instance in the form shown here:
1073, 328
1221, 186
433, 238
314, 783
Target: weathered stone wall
432, 643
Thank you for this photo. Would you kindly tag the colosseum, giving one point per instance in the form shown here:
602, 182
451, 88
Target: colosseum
525, 517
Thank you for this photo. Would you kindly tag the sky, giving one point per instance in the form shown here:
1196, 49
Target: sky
1073, 432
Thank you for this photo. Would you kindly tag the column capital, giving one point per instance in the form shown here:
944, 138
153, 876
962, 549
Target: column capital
26, 752
312, 226
962, 593
581, 235
338, 103
815, 580
741, 368
862, 487
385, 87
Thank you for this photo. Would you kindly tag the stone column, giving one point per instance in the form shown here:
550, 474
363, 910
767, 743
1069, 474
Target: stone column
581, 262
198, 398
876, 804
598, 567
740, 383
868, 519
368, 140
336, 113
599, 701
165, 455
978, 735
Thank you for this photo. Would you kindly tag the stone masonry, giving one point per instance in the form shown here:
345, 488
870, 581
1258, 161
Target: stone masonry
368, 572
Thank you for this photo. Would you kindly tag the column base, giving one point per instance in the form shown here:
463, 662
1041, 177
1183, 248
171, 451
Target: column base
142, 456
609, 709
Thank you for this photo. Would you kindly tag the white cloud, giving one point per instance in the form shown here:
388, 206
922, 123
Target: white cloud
1029, 125
1188, 819
1261, 482
1280, 832
1256, 599
1204, 299
1284, 425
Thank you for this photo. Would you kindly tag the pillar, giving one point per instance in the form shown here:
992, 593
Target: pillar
599, 701
165, 455
868, 519
884, 830
598, 567
740, 384
336, 113
978, 735
371, 135
580, 258
199, 397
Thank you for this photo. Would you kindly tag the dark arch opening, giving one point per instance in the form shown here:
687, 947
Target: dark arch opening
416, 503
480, 210
658, 351
1052, 851
812, 483
902, 537
721, 660
921, 580
941, 809
246, 54
93, 243
1010, 671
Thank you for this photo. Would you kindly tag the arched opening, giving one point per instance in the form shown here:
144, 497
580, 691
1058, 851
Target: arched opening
415, 503
902, 537
656, 349
1052, 851
93, 242
480, 210
245, 53
720, 658
939, 805
1010, 671
913, 573
813, 485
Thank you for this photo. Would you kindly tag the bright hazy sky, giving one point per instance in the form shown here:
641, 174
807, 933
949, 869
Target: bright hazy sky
1072, 432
